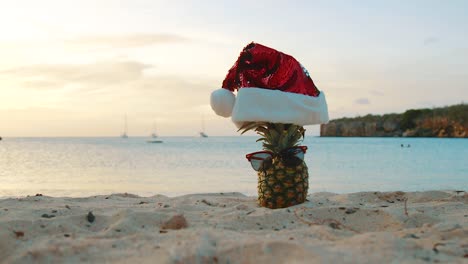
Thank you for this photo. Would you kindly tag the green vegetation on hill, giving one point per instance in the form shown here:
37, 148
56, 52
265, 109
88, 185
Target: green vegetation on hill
449, 121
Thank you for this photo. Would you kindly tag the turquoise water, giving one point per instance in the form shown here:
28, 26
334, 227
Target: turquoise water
182, 165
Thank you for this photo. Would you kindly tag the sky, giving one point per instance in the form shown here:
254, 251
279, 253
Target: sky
77, 68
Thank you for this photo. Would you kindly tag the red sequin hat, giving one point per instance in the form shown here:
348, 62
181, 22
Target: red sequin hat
271, 87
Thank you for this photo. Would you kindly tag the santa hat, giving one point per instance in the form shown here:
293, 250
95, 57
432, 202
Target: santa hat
271, 87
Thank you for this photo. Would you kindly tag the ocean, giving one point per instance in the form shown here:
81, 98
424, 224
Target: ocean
81, 167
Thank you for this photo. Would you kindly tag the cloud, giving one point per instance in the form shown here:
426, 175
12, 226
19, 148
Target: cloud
430, 40
124, 41
107, 90
108, 76
57, 76
42, 84
62, 47
376, 92
362, 101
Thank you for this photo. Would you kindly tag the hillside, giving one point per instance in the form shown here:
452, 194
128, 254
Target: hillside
449, 121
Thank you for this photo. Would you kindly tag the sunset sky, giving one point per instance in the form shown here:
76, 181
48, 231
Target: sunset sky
76, 68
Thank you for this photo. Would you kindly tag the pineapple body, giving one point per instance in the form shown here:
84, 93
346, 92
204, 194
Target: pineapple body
280, 186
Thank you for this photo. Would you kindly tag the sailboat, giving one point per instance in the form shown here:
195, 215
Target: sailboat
124, 134
154, 136
202, 133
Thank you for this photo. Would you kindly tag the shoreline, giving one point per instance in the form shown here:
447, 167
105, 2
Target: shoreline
363, 227
252, 195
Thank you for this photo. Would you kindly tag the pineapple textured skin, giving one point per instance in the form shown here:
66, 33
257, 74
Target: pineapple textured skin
280, 186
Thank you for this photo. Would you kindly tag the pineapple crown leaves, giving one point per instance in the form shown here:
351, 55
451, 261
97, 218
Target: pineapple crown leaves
275, 136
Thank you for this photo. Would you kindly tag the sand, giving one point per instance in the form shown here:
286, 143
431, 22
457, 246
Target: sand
367, 227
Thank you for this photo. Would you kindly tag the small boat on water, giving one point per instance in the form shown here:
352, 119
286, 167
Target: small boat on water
154, 141
124, 134
154, 136
202, 133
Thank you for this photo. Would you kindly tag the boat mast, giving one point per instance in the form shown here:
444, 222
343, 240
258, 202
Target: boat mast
125, 127
203, 124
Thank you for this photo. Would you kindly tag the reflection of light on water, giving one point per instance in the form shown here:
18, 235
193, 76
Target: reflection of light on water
89, 166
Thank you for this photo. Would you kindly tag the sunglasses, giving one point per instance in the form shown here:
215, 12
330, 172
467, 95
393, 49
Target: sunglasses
291, 157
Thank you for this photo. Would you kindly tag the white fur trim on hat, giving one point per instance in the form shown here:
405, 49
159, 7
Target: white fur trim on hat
222, 101
258, 104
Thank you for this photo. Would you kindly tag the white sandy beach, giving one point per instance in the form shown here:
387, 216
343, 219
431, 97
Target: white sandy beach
230, 228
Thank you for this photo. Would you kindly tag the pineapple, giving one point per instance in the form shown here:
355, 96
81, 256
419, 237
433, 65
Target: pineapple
280, 185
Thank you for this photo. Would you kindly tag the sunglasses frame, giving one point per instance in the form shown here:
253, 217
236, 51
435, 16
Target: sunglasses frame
251, 157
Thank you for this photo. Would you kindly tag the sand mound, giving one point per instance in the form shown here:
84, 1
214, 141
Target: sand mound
368, 227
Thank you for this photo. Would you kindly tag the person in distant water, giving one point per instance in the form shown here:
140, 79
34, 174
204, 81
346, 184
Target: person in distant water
409, 146
402, 145
0, 138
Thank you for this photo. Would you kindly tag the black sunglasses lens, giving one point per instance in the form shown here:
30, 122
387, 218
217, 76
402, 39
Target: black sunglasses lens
266, 163
293, 157
292, 161
257, 160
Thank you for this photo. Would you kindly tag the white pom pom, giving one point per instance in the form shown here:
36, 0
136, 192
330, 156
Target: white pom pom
222, 102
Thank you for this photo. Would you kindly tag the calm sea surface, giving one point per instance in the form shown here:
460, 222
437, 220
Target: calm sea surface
182, 165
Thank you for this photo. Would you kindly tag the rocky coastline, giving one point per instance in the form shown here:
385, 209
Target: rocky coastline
444, 122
